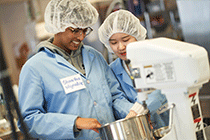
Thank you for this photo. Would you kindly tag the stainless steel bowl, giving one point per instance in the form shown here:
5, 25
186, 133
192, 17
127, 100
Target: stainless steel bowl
135, 128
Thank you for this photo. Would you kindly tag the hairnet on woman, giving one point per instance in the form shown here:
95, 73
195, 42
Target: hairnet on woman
121, 21
118, 30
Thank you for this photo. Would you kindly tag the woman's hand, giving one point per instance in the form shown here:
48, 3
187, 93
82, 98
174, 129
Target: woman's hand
131, 114
88, 123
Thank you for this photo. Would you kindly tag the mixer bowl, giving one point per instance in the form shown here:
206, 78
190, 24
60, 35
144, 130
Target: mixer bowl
135, 128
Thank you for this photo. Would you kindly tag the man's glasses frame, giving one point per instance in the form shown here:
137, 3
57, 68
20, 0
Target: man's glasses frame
78, 31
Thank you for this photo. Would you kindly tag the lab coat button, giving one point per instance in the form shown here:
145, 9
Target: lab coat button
88, 81
95, 103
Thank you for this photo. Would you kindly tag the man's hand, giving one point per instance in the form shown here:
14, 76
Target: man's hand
88, 123
131, 114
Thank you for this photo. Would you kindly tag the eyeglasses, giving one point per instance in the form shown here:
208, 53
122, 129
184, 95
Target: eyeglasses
78, 31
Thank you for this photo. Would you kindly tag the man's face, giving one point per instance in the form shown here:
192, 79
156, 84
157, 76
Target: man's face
70, 40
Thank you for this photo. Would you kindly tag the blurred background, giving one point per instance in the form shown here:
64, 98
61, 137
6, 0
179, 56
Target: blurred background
22, 28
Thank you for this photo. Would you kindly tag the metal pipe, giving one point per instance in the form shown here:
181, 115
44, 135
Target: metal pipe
170, 120
10, 98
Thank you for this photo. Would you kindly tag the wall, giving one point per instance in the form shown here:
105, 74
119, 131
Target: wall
14, 23
195, 21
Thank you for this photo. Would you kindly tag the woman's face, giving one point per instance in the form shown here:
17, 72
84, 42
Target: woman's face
118, 43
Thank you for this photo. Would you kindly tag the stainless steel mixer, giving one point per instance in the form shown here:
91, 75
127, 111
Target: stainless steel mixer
134, 128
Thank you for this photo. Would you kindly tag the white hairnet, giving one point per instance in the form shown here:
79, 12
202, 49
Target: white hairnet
121, 21
60, 14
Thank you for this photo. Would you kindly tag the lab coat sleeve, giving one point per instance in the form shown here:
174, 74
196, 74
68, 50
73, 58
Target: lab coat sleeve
41, 124
121, 105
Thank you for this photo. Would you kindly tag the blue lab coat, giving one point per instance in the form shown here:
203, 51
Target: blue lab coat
155, 102
50, 112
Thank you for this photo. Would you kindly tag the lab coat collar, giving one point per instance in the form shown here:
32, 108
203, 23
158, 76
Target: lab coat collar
61, 60
118, 67
87, 55
120, 72
88, 58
